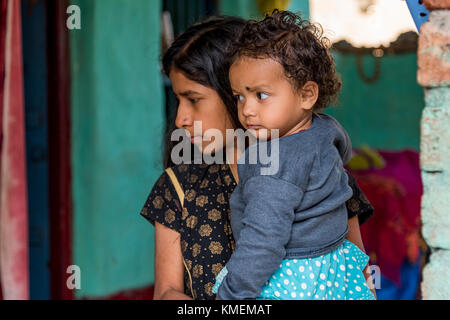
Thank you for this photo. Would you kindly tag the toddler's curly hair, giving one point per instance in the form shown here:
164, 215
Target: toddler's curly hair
299, 46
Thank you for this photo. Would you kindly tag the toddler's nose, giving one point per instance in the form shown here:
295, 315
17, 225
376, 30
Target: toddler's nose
248, 109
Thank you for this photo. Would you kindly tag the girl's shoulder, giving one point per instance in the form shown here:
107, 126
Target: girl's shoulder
194, 176
164, 203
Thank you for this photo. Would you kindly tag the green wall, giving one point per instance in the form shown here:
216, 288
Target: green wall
243, 8
385, 114
300, 6
117, 125
248, 9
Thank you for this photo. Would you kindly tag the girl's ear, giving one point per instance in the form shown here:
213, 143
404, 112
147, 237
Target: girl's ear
309, 94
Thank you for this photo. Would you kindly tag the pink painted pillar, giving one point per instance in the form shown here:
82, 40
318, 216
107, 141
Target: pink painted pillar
13, 187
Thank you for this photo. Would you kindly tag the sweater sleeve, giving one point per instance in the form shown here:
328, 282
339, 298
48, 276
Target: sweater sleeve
267, 224
342, 140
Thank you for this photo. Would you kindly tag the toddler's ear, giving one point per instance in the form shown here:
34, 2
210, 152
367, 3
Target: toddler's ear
309, 94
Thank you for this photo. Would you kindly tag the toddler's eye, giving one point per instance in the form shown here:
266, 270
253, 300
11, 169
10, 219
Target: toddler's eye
262, 95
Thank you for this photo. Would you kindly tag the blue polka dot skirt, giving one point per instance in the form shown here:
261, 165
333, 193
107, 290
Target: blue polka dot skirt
337, 275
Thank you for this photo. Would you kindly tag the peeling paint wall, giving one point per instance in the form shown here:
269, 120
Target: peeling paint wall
434, 76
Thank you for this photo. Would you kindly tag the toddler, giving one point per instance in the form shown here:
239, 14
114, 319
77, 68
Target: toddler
290, 226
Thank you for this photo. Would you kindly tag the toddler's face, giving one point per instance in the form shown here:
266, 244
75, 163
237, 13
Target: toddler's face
265, 97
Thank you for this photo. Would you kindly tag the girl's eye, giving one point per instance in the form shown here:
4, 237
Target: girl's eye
262, 95
239, 97
193, 100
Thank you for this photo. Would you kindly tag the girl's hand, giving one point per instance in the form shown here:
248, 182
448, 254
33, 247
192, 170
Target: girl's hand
354, 236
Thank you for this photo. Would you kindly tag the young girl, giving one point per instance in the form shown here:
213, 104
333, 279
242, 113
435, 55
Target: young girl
290, 227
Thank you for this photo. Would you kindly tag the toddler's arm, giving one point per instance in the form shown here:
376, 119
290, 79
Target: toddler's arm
268, 219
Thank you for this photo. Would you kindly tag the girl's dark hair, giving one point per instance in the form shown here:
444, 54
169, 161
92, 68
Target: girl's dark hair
202, 53
299, 46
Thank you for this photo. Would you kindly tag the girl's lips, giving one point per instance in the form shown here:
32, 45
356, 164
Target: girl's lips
255, 127
196, 139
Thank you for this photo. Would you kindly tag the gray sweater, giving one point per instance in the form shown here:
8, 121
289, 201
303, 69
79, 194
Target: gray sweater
297, 212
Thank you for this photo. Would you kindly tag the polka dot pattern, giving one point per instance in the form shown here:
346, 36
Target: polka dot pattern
337, 275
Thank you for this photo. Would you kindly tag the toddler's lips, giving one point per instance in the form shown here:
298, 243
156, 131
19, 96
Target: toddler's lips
254, 127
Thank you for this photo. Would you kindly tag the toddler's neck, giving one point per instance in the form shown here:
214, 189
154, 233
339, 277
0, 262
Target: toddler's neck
304, 124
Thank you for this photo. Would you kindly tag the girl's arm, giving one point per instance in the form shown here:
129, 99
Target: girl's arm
169, 267
354, 236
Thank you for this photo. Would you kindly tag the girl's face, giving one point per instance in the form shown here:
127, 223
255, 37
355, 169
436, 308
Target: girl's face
200, 103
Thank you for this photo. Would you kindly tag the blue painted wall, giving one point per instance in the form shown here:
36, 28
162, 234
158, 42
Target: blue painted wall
35, 82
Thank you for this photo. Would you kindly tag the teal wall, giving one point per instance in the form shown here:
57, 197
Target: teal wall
385, 114
248, 9
300, 6
117, 126
243, 8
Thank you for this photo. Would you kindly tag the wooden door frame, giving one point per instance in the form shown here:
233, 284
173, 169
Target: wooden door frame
59, 133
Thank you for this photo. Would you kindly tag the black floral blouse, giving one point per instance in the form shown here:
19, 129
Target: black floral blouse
204, 222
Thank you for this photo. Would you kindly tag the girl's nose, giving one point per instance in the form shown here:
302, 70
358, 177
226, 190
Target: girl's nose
184, 116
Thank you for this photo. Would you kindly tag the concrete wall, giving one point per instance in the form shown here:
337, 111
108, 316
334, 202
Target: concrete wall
434, 76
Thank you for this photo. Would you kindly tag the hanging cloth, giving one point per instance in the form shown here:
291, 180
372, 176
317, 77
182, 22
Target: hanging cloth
13, 189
